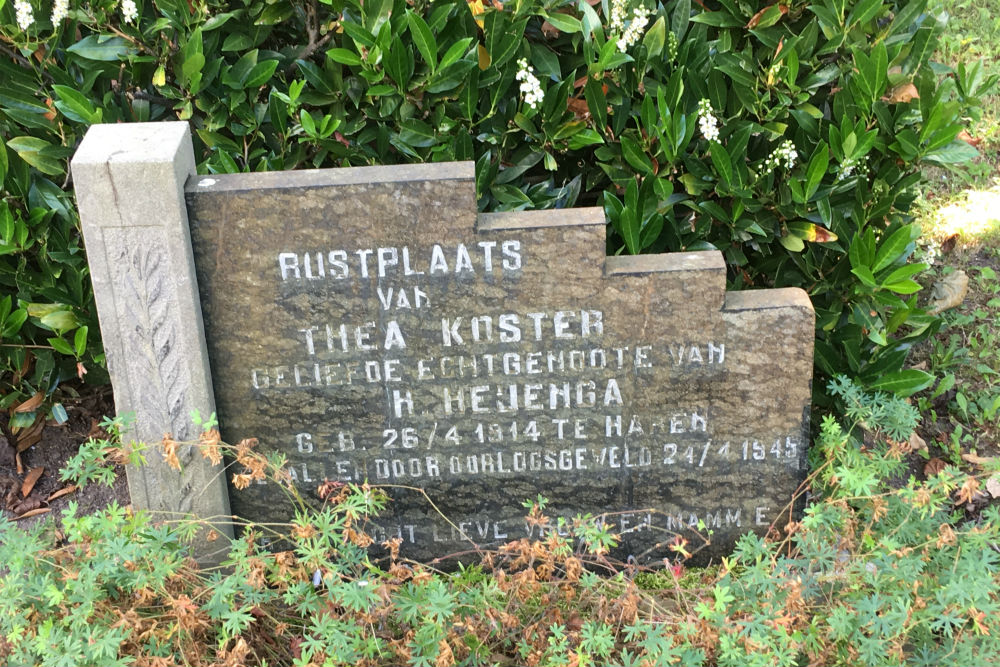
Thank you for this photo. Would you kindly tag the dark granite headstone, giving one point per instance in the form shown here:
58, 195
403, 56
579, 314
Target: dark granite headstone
369, 324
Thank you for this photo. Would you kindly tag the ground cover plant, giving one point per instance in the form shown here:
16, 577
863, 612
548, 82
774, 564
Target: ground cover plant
880, 570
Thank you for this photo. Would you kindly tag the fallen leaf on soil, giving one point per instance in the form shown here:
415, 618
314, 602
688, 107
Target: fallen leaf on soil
20, 466
35, 512
30, 436
27, 505
904, 92
934, 466
993, 486
65, 491
949, 243
30, 479
917, 444
30, 404
948, 292
976, 459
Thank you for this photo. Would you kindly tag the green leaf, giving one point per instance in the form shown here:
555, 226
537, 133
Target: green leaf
946, 383
679, 18
723, 163
892, 248
80, 341
58, 413
424, 38
792, 243
260, 74
635, 156
61, 346
816, 170
455, 52
417, 133
655, 38
865, 275
904, 272
718, 19
586, 137
956, 152
75, 105
101, 48
275, 14
344, 57
38, 153
903, 383
864, 11
55, 316
564, 22
902, 286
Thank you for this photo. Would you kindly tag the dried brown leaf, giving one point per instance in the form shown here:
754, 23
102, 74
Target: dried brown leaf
65, 491
948, 292
30, 438
949, 243
27, 505
976, 459
578, 107
902, 93
30, 480
22, 372
969, 139
993, 486
917, 444
31, 404
34, 512
934, 466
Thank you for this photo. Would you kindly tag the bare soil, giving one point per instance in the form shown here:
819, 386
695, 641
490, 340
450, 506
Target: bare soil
57, 444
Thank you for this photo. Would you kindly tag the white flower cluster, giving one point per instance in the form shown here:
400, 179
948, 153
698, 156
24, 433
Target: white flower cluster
531, 88
931, 252
60, 8
707, 122
632, 34
129, 11
847, 168
22, 9
617, 20
785, 154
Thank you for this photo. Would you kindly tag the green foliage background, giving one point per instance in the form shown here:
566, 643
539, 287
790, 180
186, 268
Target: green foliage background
283, 84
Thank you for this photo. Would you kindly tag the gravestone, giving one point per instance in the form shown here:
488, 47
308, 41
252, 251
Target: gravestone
368, 323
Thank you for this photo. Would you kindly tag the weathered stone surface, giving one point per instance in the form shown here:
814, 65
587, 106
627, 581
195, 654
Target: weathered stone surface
369, 324
129, 182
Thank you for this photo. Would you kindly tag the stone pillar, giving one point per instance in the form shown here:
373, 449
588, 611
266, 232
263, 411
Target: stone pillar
129, 181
